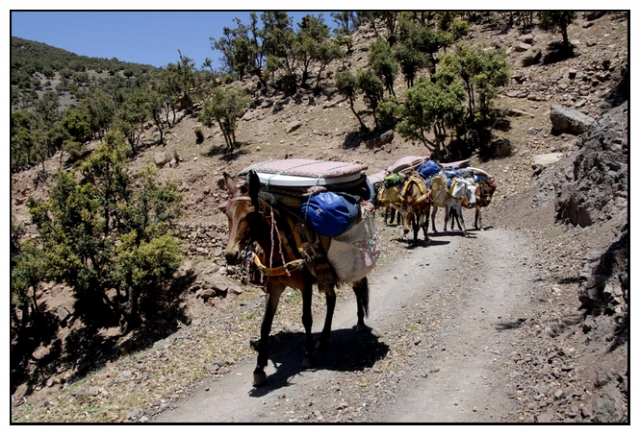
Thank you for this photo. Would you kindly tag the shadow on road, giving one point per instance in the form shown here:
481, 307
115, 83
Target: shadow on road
347, 350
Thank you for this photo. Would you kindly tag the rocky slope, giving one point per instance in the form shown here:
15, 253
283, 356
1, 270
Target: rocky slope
576, 343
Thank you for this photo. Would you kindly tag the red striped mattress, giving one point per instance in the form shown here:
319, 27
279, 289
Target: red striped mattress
406, 162
307, 168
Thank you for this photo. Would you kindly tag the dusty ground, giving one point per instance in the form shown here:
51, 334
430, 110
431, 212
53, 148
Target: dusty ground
478, 329
445, 325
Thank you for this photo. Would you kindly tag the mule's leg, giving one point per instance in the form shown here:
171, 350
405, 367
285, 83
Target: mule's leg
307, 322
415, 225
478, 223
446, 216
452, 216
456, 217
425, 224
271, 304
406, 224
459, 211
361, 289
331, 305
433, 219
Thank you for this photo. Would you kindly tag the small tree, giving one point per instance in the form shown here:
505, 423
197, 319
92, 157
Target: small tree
29, 267
101, 233
372, 90
347, 85
388, 112
381, 61
432, 108
557, 21
225, 106
74, 149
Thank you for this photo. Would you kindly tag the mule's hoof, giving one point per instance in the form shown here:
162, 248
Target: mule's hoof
362, 328
259, 378
307, 363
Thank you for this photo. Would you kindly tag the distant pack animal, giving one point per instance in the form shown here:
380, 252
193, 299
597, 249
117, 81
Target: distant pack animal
253, 218
484, 190
415, 204
453, 196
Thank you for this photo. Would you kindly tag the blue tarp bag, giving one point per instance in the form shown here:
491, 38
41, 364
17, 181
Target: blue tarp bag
478, 177
330, 214
452, 173
428, 169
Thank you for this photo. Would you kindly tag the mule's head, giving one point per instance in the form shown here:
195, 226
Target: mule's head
469, 195
485, 191
246, 219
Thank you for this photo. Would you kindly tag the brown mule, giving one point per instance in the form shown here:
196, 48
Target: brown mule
272, 226
415, 205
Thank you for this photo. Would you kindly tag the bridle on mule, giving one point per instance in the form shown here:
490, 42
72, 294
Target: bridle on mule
287, 267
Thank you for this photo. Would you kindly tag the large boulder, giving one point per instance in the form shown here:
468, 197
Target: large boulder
566, 120
161, 158
377, 142
542, 161
531, 57
293, 126
597, 190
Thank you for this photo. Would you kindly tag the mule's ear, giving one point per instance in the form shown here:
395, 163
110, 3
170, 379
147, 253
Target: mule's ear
254, 187
228, 181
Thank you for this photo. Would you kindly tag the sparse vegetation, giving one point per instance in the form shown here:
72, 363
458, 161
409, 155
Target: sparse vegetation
444, 98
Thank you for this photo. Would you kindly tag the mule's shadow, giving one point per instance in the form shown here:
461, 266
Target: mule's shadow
346, 351
452, 233
421, 243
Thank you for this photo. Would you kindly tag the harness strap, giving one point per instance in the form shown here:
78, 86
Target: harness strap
406, 187
285, 269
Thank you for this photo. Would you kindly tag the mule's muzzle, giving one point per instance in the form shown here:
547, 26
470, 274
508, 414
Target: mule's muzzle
233, 257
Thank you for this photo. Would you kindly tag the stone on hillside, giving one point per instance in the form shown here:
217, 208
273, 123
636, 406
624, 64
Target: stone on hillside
531, 57
330, 104
593, 15
377, 142
566, 120
518, 112
206, 294
522, 47
542, 161
527, 39
293, 126
501, 147
235, 290
161, 158
518, 93
63, 314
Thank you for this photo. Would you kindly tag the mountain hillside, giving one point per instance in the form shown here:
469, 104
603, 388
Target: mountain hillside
576, 216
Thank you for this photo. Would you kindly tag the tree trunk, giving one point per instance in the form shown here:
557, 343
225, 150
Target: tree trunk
132, 312
565, 36
363, 127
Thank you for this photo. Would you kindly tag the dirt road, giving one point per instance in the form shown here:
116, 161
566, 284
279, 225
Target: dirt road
445, 320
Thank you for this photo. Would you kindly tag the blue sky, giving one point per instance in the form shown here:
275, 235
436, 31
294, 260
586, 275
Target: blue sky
146, 37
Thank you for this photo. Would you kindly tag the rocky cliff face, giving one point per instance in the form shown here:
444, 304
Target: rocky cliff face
597, 188
596, 192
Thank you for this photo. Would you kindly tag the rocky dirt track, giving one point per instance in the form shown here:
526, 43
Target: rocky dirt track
481, 329
449, 321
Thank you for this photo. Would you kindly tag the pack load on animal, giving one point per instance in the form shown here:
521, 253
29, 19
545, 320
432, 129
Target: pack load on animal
428, 169
474, 174
406, 164
329, 199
